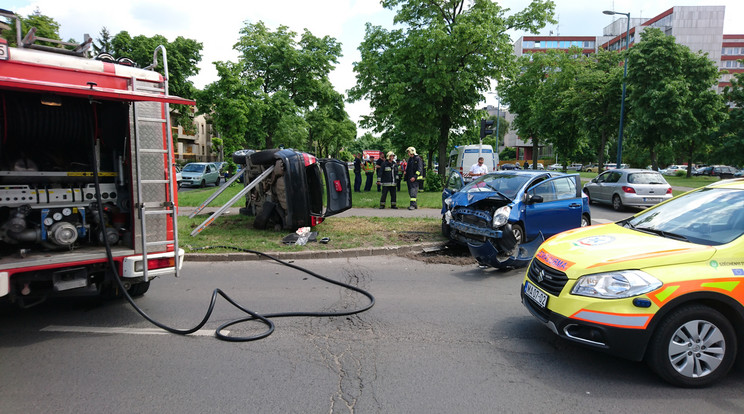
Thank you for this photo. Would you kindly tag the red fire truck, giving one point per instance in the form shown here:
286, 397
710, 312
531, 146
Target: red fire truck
88, 191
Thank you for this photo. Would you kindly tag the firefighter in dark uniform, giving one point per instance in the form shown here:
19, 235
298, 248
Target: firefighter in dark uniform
414, 175
387, 175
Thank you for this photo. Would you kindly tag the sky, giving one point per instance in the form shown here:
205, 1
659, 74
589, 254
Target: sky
216, 24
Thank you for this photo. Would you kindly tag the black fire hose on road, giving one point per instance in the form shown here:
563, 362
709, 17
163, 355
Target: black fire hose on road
253, 315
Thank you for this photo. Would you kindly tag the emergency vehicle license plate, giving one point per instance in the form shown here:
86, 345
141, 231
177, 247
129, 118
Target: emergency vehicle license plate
535, 294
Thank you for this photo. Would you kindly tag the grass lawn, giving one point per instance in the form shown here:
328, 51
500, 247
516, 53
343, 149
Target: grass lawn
345, 233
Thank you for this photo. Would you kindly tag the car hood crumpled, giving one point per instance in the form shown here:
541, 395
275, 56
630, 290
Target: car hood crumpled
612, 247
462, 199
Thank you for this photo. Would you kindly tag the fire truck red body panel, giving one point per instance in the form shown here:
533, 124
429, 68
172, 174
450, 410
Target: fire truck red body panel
62, 118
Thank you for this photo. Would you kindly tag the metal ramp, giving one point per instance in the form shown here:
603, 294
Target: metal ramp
156, 181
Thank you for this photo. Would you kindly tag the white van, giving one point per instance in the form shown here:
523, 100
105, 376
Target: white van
462, 157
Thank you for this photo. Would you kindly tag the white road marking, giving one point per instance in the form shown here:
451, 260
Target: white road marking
126, 331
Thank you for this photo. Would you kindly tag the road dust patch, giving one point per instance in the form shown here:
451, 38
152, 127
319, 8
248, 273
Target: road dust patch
449, 253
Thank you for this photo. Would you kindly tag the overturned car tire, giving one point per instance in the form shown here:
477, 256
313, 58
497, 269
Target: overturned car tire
240, 157
264, 157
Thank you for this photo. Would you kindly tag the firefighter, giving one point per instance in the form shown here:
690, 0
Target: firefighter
369, 171
414, 175
387, 175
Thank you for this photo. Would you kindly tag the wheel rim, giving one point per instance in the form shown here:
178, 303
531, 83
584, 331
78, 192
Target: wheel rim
696, 349
517, 234
616, 203
584, 221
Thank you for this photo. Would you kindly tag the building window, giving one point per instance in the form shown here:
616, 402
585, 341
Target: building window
528, 44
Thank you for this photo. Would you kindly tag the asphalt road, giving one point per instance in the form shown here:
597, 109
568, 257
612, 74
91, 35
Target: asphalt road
440, 339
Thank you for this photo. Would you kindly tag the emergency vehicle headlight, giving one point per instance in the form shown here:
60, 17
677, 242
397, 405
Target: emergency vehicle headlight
501, 216
615, 285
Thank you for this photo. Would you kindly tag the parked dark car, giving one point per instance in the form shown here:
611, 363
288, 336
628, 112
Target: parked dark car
509, 167
504, 216
291, 196
721, 171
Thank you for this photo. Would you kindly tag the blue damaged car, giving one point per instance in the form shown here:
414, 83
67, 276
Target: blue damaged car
504, 216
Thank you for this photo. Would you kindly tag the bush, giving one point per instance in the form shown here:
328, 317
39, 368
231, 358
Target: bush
680, 174
433, 182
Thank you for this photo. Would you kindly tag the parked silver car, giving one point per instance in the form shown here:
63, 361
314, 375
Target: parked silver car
628, 187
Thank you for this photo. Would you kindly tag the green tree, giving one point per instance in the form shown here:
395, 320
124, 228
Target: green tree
522, 92
431, 74
330, 126
183, 57
559, 122
291, 75
730, 139
103, 43
597, 100
45, 27
234, 103
665, 83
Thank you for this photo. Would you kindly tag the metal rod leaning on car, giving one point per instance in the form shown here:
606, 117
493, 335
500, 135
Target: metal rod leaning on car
217, 193
232, 201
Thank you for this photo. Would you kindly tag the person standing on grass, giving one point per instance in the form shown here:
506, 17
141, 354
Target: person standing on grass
401, 172
414, 175
387, 176
378, 170
357, 173
369, 171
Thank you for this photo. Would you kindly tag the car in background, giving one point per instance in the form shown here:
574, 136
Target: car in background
593, 168
555, 167
540, 166
672, 170
721, 171
199, 174
665, 285
628, 187
509, 166
503, 216
179, 177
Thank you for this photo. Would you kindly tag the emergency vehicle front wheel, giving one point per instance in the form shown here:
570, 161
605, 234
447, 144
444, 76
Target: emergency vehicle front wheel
693, 346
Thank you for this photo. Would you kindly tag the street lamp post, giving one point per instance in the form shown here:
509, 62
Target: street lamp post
625, 75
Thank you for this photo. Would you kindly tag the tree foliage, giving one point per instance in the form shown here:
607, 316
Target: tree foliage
425, 79
45, 27
669, 98
730, 141
103, 43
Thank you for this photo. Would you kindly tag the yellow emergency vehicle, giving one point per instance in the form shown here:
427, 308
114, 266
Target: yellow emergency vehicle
665, 285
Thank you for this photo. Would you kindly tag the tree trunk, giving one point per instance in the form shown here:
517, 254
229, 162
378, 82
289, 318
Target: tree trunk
601, 152
445, 123
535, 151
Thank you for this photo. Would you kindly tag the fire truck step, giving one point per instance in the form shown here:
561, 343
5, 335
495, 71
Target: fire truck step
153, 150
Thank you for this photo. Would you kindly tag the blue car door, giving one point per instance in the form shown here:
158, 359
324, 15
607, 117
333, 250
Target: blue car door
453, 184
559, 210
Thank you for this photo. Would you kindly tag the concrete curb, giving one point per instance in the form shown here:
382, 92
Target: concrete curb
311, 254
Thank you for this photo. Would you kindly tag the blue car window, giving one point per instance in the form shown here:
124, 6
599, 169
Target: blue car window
565, 188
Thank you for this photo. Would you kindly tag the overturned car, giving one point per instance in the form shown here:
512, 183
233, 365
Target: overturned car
504, 216
288, 188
